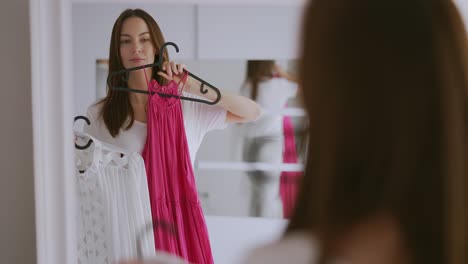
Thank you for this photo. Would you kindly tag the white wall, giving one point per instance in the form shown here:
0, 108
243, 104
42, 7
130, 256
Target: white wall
254, 32
17, 220
463, 8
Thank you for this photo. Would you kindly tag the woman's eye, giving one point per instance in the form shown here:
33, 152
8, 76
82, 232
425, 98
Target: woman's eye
124, 41
145, 40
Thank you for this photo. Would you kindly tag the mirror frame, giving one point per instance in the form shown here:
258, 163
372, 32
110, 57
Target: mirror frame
51, 75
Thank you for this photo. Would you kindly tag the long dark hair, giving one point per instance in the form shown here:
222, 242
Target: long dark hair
257, 71
116, 108
385, 89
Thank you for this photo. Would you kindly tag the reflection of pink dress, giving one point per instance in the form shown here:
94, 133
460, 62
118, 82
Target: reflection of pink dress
171, 183
289, 180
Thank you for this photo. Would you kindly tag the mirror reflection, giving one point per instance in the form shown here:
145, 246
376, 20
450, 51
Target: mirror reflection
155, 156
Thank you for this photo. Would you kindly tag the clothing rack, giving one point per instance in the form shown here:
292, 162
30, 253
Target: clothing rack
158, 64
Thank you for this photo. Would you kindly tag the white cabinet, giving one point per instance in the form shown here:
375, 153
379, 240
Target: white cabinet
248, 32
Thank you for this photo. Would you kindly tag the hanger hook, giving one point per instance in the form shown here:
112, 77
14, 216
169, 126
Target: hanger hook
82, 118
126, 77
161, 51
87, 122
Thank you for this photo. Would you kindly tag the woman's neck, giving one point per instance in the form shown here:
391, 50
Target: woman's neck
139, 80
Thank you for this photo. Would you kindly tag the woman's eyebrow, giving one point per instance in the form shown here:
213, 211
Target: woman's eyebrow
128, 35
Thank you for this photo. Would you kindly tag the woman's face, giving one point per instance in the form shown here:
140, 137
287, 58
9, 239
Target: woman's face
136, 46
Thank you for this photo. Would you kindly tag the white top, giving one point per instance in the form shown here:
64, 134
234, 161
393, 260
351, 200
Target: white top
113, 205
199, 119
272, 96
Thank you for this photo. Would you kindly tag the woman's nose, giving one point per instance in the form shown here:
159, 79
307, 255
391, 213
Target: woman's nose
137, 48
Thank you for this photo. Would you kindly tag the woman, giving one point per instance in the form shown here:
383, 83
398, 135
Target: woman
385, 88
120, 118
271, 87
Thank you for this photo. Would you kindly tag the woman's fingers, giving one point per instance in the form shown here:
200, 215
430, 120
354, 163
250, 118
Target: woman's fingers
168, 68
171, 69
174, 68
181, 68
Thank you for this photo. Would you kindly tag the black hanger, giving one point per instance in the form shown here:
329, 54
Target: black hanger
158, 64
90, 140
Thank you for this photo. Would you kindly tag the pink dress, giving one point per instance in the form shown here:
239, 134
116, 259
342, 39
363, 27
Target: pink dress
173, 193
289, 180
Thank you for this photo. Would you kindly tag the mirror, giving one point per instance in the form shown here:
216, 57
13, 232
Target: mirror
240, 171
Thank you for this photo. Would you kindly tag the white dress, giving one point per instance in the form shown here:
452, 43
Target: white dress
113, 205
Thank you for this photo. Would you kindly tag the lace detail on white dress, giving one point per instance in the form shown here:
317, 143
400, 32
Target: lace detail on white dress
113, 205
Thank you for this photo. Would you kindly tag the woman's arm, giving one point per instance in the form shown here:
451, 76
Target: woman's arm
240, 109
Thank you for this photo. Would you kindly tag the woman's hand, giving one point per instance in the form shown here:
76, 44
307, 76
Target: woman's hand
172, 71
278, 70
284, 74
